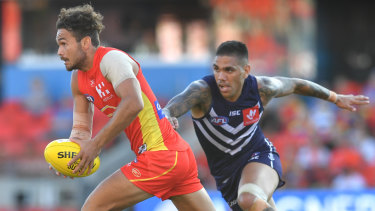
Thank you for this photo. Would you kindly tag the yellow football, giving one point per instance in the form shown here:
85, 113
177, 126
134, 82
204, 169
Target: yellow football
59, 152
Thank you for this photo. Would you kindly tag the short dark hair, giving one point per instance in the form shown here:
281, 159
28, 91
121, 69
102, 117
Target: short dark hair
82, 21
233, 48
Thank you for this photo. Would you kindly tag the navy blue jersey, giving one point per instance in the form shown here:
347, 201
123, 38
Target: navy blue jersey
231, 137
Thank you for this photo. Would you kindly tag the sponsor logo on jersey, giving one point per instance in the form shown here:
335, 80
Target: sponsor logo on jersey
250, 115
108, 98
101, 90
159, 110
255, 156
136, 172
142, 148
89, 98
92, 83
235, 113
219, 120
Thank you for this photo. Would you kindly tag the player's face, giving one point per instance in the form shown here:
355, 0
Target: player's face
70, 50
230, 76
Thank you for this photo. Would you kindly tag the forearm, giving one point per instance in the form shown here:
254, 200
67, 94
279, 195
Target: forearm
281, 86
309, 88
82, 126
195, 97
176, 107
80, 133
83, 112
306, 88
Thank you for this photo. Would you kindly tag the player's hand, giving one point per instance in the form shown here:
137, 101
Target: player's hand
172, 120
58, 173
349, 101
89, 151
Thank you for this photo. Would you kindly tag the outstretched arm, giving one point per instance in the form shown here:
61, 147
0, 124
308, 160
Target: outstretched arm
196, 97
270, 87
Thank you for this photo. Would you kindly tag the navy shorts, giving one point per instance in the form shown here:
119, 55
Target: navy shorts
263, 153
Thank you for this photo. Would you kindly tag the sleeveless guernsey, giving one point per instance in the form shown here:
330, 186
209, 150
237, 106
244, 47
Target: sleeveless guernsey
150, 130
229, 129
231, 137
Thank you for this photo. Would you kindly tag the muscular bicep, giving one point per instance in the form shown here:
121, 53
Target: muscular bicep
196, 97
129, 89
131, 103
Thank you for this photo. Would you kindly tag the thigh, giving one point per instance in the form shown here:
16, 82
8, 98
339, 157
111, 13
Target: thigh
262, 175
197, 201
116, 192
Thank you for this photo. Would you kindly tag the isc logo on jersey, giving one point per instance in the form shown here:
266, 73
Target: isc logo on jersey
219, 120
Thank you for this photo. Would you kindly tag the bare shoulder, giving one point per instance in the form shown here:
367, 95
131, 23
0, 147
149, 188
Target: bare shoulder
267, 87
267, 82
199, 85
198, 91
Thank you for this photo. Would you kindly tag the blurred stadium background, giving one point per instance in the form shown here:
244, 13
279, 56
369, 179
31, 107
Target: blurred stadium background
328, 155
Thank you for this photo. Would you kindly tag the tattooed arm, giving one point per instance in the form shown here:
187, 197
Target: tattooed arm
270, 87
196, 97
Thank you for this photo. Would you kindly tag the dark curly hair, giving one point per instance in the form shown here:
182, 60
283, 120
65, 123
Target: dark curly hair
82, 21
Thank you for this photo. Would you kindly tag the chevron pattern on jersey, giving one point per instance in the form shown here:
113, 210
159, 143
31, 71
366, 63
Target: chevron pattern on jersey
227, 138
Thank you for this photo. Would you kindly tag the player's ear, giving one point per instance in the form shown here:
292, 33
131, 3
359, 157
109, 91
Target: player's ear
86, 42
247, 69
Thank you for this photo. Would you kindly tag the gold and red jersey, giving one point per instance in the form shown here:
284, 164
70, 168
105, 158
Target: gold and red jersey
150, 130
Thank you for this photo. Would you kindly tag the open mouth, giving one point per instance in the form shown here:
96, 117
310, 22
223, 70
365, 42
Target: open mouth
64, 60
223, 88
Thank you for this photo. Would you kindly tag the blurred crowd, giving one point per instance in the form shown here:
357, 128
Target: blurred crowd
280, 34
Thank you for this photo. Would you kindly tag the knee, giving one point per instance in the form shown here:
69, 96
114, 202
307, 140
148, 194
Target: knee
249, 202
246, 200
92, 205
252, 198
